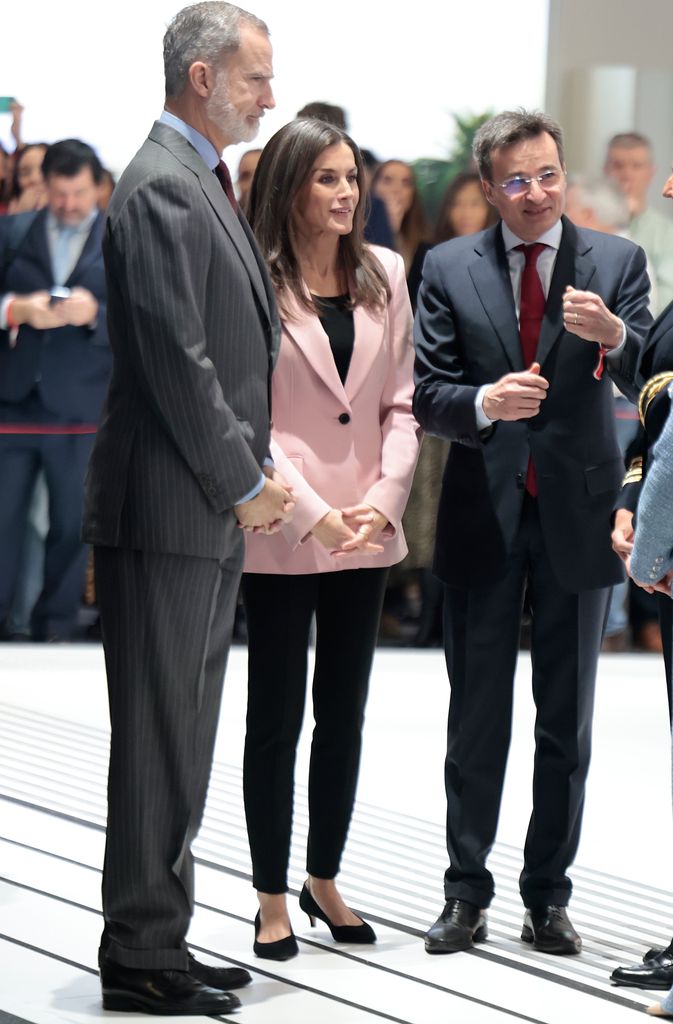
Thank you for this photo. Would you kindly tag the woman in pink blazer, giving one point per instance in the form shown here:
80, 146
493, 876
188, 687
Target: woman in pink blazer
345, 439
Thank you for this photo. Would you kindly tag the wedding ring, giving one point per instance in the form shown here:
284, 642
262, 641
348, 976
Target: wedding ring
576, 318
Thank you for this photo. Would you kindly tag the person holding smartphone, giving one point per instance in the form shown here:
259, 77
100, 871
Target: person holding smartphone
54, 371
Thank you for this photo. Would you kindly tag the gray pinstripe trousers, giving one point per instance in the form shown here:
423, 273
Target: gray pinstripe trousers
166, 622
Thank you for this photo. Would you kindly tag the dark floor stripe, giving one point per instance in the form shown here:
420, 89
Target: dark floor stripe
9, 1018
52, 812
578, 986
45, 952
367, 963
517, 965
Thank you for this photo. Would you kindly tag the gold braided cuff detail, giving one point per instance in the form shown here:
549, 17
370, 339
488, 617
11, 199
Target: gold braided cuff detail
651, 389
634, 473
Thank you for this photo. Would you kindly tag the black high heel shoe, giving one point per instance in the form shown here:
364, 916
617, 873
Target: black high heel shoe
282, 949
362, 933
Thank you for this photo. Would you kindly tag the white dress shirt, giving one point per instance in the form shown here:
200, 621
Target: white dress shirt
516, 261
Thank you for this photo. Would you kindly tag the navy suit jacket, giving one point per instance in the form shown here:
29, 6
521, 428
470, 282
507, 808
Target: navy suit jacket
467, 335
70, 366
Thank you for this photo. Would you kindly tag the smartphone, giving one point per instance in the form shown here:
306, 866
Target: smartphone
6, 104
58, 294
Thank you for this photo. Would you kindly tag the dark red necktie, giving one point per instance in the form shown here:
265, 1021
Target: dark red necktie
223, 176
531, 312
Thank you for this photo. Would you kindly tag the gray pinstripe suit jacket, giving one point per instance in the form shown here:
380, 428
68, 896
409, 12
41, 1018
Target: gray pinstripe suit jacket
194, 332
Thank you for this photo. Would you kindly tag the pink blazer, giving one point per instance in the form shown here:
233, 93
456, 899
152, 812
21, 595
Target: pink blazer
331, 463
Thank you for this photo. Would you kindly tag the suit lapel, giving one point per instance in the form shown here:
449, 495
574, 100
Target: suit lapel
36, 238
222, 207
491, 279
573, 267
268, 287
368, 325
307, 333
172, 140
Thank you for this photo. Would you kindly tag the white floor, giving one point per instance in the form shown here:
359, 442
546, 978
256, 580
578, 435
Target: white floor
53, 722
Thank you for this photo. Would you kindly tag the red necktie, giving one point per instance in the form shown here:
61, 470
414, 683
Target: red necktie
222, 174
531, 312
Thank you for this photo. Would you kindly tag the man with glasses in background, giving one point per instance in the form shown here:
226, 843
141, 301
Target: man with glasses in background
518, 332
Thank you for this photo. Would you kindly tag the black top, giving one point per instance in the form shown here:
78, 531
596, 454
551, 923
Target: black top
337, 320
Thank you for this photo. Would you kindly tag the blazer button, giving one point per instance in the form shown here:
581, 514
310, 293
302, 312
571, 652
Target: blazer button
344, 418
520, 481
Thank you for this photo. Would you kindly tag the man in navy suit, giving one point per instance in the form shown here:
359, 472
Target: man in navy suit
519, 329
54, 370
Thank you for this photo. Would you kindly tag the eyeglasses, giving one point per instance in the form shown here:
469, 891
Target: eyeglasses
548, 180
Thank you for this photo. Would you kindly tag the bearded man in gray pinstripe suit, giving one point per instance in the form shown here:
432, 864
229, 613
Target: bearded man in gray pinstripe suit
176, 470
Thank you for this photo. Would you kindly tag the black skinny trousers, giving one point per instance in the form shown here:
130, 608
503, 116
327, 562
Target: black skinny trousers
279, 608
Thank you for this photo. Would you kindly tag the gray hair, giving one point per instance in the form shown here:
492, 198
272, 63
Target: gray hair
630, 140
604, 198
207, 31
507, 129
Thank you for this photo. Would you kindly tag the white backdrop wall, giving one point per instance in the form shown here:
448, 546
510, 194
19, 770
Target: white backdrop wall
94, 70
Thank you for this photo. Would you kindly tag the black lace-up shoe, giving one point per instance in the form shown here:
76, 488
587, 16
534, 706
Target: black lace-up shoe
459, 926
549, 929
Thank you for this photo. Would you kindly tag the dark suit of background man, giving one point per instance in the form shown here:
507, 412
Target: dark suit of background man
54, 371
509, 368
175, 470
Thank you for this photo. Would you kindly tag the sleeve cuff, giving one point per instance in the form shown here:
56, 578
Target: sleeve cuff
4, 306
616, 351
253, 493
483, 422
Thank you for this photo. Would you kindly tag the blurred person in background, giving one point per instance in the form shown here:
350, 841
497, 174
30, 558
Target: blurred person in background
54, 370
28, 188
105, 189
247, 166
394, 182
629, 162
330, 113
7, 156
377, 225
463, 209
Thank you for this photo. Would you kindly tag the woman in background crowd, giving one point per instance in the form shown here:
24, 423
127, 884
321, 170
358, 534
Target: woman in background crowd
28, 189
464, 209
395, 183
345, 439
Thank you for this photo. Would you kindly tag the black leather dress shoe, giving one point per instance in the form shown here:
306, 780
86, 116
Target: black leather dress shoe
655, 973
224, 978
549, 929
459, 926
171, 993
